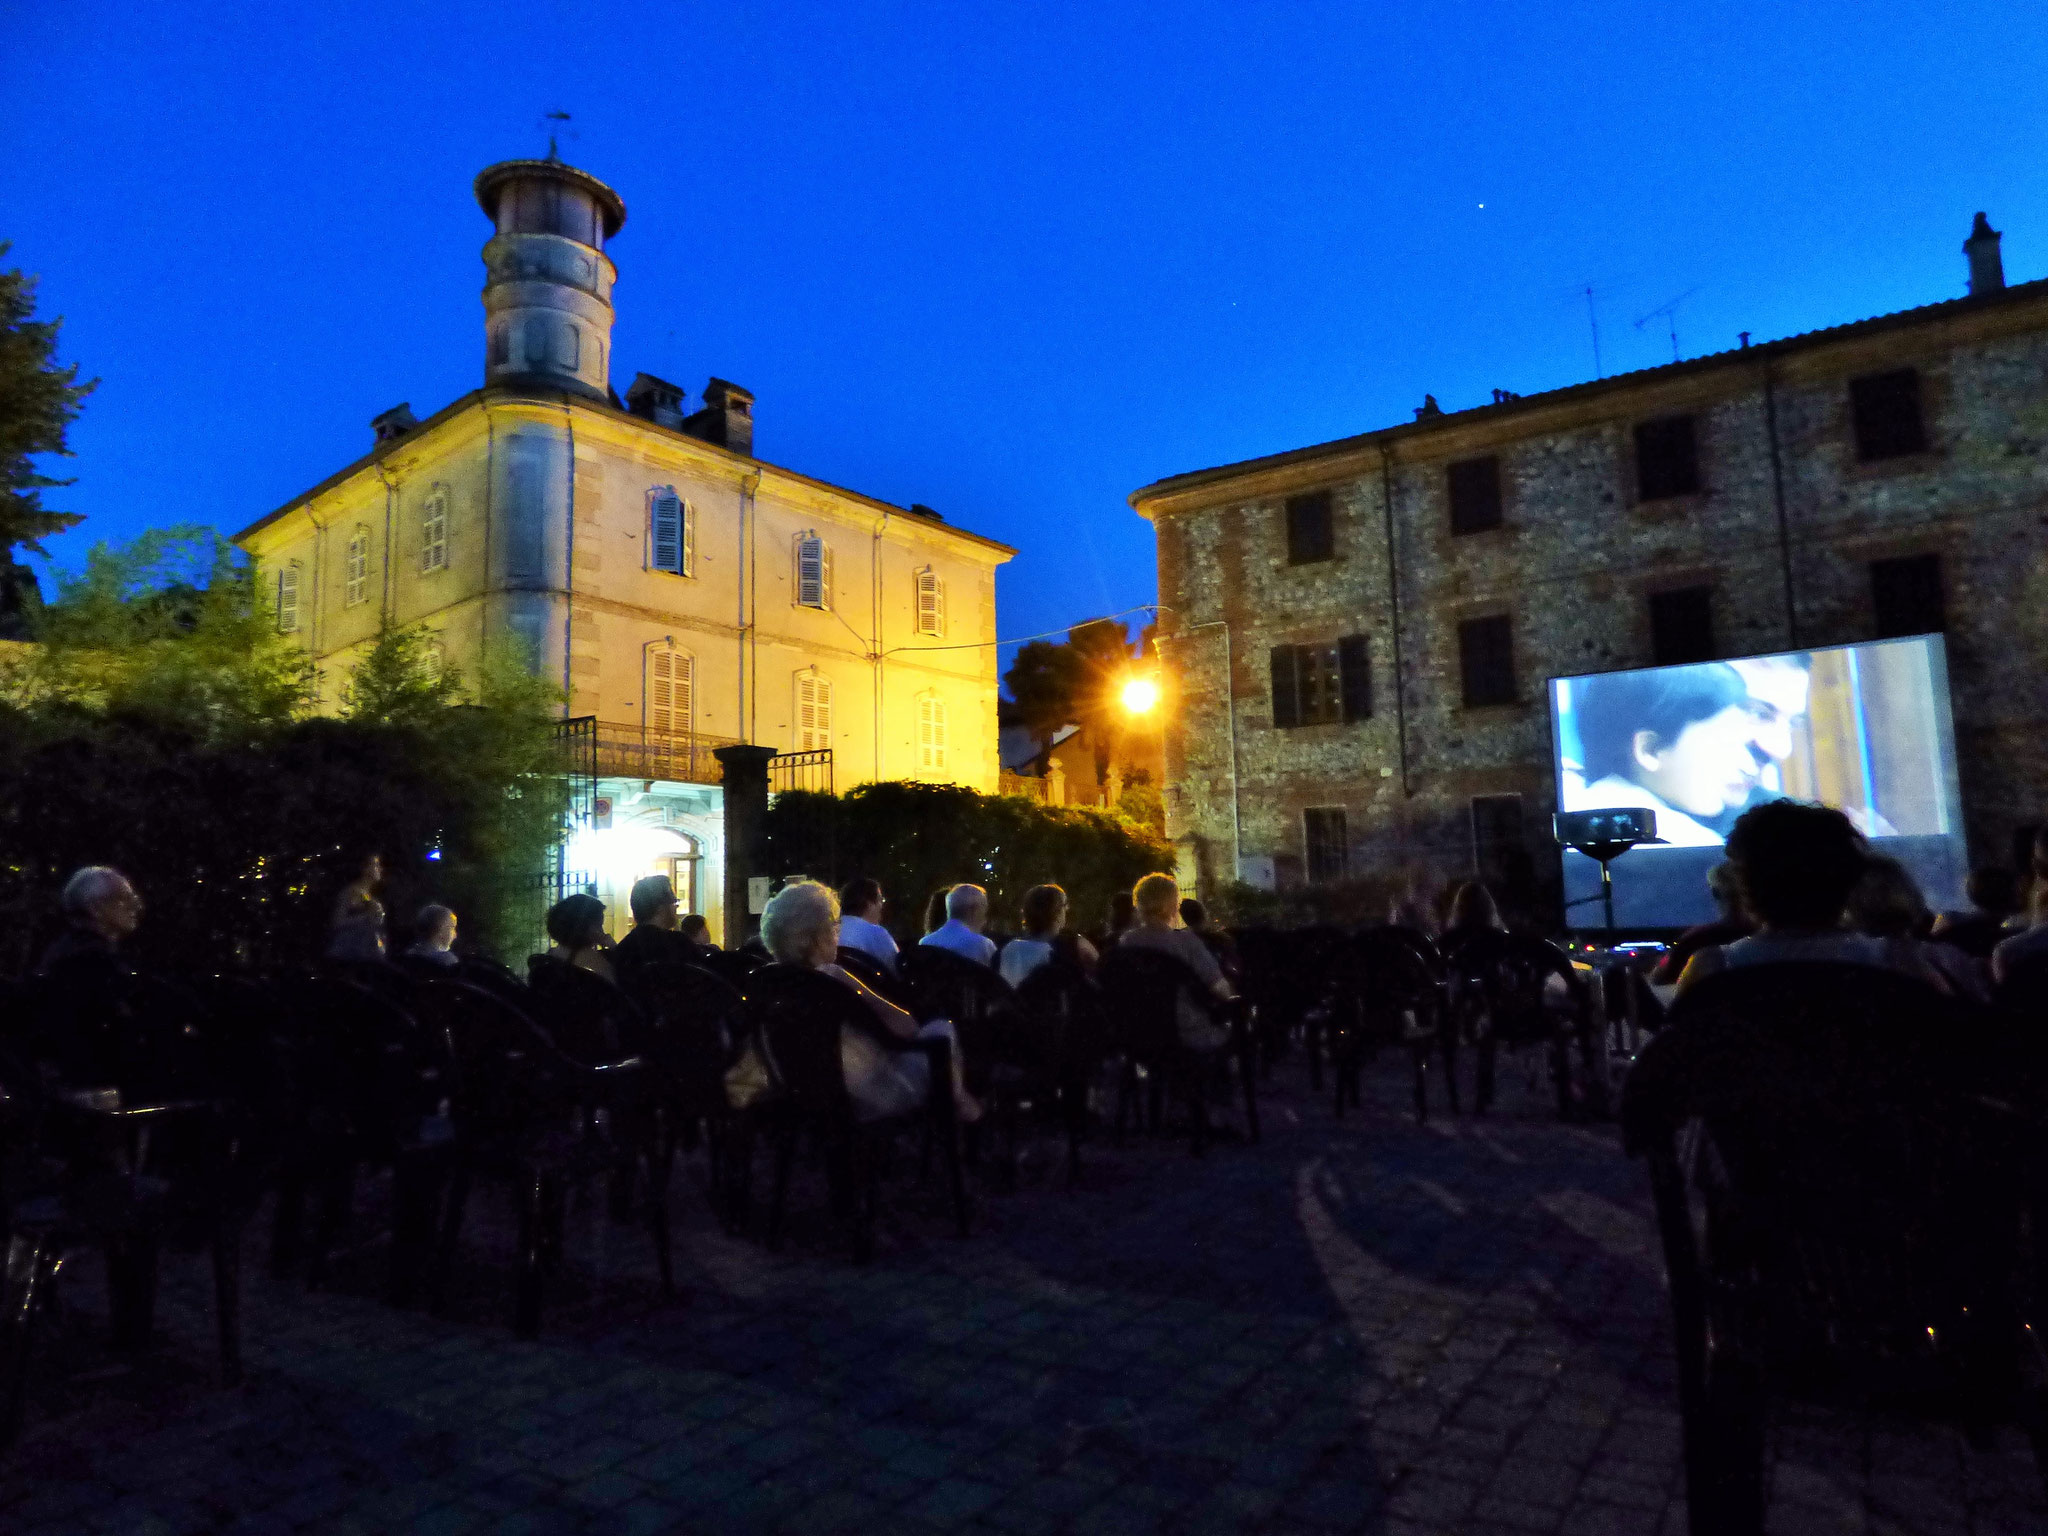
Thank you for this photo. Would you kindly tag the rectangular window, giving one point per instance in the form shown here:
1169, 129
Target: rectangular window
1322, 684
1682, 626
1667, 459
1486, 660
1885, 409
671, 533
813, 572
356, 573
434, 532
1328, 845
288, 598
1497, 838
931, 603
931, 735
1475, 494
813, 712
1905, 596
1310, 536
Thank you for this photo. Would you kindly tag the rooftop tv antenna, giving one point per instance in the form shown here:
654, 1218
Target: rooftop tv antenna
1593, 320
556, 122
1670, 314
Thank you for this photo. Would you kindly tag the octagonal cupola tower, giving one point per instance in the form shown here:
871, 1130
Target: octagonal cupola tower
548, 288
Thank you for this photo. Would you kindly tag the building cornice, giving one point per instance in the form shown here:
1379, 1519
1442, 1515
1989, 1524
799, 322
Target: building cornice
626, 430
1809, 357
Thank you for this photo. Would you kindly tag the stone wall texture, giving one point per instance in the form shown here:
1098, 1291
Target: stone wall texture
1573, 566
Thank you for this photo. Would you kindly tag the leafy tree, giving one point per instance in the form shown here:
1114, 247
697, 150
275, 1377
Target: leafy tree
171, 625
1074, 682
38, 402
401, 680
915, 838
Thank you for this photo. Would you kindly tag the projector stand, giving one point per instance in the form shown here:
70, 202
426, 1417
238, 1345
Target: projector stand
1604, 854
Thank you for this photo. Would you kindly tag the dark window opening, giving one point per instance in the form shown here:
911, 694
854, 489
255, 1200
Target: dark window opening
1682, 626
1667, 459
1885, 408
1498, 849
1486, 660
1905, 596
1329, 848
1322, 684
1475, 495
1310, 536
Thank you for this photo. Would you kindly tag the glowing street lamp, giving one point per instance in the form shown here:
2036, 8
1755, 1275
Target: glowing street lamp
1140, 695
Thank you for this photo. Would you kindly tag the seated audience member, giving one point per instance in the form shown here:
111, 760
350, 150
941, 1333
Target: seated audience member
1725, 929
1195, 918
860, 922
435, 927
2027, 947
1994, 894
1045, 914
1887, 904
1155, 907
1122, 913
101, 910
576, 924
1795, 866
696, 930
1412, 912
966, 916
357, 932
1473, 910
656, 937
801, 928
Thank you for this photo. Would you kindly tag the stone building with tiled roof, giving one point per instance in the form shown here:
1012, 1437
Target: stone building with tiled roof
1358, 633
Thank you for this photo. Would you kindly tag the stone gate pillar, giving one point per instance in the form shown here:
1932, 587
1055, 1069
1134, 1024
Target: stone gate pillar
746, 812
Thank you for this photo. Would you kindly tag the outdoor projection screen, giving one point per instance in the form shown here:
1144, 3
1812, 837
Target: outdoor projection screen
1863, 728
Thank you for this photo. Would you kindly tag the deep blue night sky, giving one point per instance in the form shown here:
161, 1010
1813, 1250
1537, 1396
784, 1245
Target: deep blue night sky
1010, 261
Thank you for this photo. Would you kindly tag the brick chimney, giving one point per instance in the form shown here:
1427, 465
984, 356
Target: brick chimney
656, 400
1987, 269
727, 418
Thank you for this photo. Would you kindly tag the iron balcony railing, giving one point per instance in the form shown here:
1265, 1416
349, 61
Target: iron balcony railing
635, 752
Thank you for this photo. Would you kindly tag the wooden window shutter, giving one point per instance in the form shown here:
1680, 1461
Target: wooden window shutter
1354, 668
661, 692
665, 532
1286, 687
689, 521
931, 603
684, 681
288, 598
813, 571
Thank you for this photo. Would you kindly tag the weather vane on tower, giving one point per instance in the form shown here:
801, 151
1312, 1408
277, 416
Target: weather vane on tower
552, 122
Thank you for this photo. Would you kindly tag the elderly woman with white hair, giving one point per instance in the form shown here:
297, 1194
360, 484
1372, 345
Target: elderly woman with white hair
800, 926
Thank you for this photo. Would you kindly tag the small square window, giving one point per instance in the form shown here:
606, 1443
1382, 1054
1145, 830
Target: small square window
1328, 844
1905, 596
1667, 459
1310, 536
1486, 660
1885, 408
1475, 494
1322, 684
1682, 626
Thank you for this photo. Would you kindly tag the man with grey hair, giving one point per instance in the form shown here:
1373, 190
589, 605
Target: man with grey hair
966, 916
101, 909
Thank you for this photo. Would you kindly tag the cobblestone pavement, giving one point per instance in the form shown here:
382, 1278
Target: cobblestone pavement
1361, 1325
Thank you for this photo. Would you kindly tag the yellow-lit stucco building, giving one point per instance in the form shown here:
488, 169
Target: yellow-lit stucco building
685, 594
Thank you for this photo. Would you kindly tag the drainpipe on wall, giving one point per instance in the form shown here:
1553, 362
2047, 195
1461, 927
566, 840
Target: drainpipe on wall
387, 578
569, 574
1778, 497
875, 625
1394, 609
743, 704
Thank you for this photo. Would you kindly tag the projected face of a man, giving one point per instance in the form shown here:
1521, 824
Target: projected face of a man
1777, 699
1706, 768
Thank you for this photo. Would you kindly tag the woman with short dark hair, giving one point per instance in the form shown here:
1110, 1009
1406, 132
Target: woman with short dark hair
576, 924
